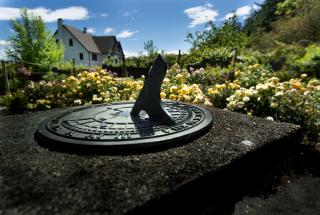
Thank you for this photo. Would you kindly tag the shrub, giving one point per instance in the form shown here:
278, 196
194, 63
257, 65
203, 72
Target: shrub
18, 102
296, 101
99, 87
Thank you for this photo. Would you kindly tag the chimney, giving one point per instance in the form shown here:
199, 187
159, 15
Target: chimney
60, 21
84, 30
60, 32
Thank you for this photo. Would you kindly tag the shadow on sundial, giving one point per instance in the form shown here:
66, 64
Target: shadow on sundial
143, 124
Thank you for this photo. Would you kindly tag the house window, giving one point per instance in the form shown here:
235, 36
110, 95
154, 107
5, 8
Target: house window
57, 40
94, 57
81, 56
70, 42
116, 61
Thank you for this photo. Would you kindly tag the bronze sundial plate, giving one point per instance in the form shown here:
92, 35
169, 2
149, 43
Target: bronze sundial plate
112, 126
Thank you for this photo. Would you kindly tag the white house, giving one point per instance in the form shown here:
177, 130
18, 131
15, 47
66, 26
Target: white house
87, 49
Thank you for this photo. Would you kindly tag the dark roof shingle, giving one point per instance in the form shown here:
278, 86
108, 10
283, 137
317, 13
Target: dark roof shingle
105, 43
95, 44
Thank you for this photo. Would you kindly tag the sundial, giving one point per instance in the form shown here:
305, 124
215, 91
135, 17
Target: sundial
145, 123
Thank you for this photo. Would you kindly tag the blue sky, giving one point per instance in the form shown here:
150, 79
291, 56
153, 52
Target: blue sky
134, 22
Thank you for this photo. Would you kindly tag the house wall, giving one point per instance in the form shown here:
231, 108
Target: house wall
75, 50
117, 56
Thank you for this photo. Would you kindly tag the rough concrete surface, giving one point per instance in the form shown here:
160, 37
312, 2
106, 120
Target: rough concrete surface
297, 197
36, 180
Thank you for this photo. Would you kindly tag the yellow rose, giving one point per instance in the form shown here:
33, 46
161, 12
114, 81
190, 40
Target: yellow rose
163, 95
296, 85
173, 89
186, 98
207, 103
173, 97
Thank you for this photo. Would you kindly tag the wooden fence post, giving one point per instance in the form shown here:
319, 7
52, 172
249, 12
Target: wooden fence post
124, 68
5, 77
73, 66
179, 57
234, 59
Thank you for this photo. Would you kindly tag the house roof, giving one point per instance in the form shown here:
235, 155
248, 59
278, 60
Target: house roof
95, 44
105, 43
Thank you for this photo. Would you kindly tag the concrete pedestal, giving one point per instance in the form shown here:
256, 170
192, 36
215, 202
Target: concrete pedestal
36, 180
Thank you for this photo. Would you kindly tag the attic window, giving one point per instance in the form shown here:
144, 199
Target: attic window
57, 40
70, 42
94, 57
81, 56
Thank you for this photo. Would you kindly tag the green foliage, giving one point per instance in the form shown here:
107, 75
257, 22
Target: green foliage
229, 35
219, 99
287, 7
251, 75
69, 68
290, 61
288, 21
209, 57
143, 60
262, 18
18, 102
310, 62
150, 48
51, 76
111, 62
171, 59
215, 46
32, 43
209, 76
139, 61
282, 56
217, 57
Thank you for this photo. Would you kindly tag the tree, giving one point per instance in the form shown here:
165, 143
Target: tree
291, 21
287, 7
229, 35
150, 48
32, 43
262, 18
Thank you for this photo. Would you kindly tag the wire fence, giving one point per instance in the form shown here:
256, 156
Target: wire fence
10, 69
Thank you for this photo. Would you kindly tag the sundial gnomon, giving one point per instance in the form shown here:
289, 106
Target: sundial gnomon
143, 123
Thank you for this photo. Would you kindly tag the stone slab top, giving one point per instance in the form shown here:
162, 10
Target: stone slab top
34, 179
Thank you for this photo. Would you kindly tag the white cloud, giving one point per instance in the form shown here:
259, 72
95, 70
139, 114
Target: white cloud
201, 14
108, 30
209, 5
255, 7
130, 13
104, 14
7, 13
91, 30
171, 51
4, 43
176, 52
2, 54
130, 54
126, 33
48, 15
242, 11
